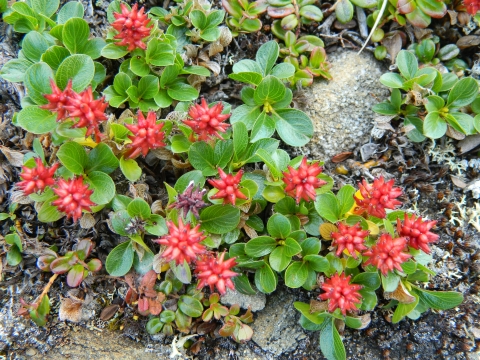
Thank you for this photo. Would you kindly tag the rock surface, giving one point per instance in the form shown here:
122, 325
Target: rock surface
255, 302
341, 109
276, 329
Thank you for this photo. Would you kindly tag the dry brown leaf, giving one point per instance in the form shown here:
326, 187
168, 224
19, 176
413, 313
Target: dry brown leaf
15, 158
87, 221
19, 197
401, 294
157, 207
468, 41
393, 42
458, 182
162, 154
109, 312
316, 306
454, 134
341, 157
469, 143
212, 66
251, 233
226, 36
71, 307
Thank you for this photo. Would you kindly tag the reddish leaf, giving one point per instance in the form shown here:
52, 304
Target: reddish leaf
84, 248
342, 156
75, 275
227, 329
278, 13
63, 264
143, 306
154, 306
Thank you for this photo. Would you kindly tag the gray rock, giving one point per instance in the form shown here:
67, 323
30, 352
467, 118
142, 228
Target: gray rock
256, 302
341, 109
276, 329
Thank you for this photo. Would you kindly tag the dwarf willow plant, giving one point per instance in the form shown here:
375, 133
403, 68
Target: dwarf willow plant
224, 225
431, 102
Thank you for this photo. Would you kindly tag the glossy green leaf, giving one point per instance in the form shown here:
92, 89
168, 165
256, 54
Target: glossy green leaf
120, 259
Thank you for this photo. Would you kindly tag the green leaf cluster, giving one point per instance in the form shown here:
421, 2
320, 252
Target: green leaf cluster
445, 100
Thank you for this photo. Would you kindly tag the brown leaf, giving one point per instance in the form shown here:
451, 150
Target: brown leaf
15, 158
454, 134
393, 42
157, 207
162, 154
87, 221
20, 198
226, 36
468, 41
401, 294
154, 306
251, 233
469, 143
316, 306
206, 328
342, 156
458, 182
365, 319
109, 312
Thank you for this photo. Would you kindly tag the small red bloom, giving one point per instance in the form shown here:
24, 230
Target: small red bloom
351, 238
301, 183
146, 135
216, 272
207, 121
37, 178
377, 197
387, 254
417, 232
472, 6
182, 242
73, 197
227, 187
58, 99
88, 111
341, 294
133, 27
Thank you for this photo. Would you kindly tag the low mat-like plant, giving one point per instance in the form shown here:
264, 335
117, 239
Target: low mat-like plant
238, 212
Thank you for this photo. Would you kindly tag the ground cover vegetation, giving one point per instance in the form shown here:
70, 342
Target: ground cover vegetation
239, 211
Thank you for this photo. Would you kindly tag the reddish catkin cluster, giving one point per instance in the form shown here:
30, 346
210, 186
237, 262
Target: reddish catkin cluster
388, 253
207, 122
81, 106
73, 197
227, 187
215, 271
147, 135
472, 6
183, 243
37, 178
417, 232
190, 201
377, 197
351, 238
133, 27
340, 293
301, 183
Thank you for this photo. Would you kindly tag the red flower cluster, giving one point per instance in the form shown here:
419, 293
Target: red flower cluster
351, 238
388, 254
133, 27
206, 121
183, 243
69, 104
301, 183
341, 294
472, 6
146, 135
37, 178
73, 197
377, 197
417, 232
228, 187
216, 272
